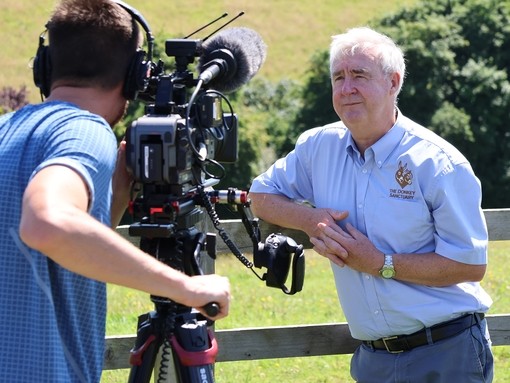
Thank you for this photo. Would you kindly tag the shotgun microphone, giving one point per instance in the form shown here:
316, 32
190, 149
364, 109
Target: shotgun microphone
231, 58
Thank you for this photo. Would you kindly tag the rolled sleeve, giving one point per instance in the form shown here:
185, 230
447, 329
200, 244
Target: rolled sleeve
461, 230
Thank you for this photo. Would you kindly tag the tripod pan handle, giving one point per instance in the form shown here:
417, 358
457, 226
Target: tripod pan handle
212, 309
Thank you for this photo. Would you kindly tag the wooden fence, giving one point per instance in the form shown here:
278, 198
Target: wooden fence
306, 340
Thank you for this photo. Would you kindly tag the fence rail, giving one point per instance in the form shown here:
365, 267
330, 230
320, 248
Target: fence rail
305, 340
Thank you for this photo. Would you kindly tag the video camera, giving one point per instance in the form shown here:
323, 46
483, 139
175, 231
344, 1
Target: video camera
176, 149
172, 143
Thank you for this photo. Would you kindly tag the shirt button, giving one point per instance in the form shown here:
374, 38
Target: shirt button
376, 312
360, 206
364, 171
367, 277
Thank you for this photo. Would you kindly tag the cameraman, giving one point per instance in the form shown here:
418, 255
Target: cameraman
64, 187
397, 212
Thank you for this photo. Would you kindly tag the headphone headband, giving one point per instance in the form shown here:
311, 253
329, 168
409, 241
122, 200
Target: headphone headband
137, 76
137, 16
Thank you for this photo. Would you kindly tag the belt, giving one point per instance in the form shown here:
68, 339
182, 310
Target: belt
400, 343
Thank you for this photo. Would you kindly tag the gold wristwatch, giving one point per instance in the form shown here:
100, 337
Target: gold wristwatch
388, 270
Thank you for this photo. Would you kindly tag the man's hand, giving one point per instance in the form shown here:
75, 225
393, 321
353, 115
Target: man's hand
350, 247
207, 289
121, 186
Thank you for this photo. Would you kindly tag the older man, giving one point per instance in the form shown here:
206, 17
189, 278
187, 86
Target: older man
396, 209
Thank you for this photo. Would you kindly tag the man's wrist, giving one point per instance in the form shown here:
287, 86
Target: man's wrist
388, 269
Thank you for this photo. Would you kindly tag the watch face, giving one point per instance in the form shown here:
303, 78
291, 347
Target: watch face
387, 273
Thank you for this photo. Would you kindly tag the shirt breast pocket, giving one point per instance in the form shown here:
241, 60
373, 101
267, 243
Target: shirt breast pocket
400, 225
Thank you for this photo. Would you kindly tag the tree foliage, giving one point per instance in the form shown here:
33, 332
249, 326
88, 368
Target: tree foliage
12, 99
317, 109
458, 81
457, 55
457, 84
266, 112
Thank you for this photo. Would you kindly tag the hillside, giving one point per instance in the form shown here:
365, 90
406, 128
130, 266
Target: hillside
293, 30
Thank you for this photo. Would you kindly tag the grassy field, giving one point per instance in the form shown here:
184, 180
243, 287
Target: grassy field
292, 30
255, 305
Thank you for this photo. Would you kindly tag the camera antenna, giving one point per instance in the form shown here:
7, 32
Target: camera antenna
224, 25
205, 26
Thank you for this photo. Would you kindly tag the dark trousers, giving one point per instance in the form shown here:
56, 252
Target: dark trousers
466, 358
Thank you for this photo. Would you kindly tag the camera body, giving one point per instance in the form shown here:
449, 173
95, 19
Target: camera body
159, 147
177, 138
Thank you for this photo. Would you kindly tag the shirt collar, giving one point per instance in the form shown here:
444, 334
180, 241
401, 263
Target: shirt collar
383, 147
387, 143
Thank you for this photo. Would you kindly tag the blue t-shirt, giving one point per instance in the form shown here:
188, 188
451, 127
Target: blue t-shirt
411, 192
52, 321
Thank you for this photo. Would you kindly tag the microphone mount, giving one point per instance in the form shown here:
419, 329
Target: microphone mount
221, 64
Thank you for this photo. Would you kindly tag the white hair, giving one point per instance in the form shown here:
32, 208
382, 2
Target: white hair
364, 39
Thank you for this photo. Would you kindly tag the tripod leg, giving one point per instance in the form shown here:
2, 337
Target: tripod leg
195, 351
165, 368
143, 354
174, 333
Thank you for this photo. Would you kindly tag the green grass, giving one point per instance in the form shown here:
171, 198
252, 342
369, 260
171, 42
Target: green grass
293, 30
255, 305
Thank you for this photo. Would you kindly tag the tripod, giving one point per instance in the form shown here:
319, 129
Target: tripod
178, 334
168, 232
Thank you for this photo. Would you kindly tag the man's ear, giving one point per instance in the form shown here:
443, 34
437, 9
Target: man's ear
395, 80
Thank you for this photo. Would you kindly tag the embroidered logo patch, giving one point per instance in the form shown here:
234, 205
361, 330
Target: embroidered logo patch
404, 177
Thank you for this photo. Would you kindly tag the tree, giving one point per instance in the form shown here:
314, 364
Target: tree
457, 54
266, 112
317, 107
12, 99
458, 81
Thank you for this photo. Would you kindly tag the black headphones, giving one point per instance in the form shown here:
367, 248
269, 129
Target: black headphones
139, 69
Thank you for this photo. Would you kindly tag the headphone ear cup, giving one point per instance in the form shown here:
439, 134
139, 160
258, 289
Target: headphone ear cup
42, 69
137, 77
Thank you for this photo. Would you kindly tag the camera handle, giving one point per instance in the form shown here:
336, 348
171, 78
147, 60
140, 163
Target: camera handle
278, 253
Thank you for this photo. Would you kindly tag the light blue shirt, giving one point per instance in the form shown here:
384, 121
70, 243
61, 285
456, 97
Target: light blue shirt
52, 321
412, 192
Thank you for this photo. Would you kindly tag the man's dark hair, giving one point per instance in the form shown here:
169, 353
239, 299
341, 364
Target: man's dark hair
91, 43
